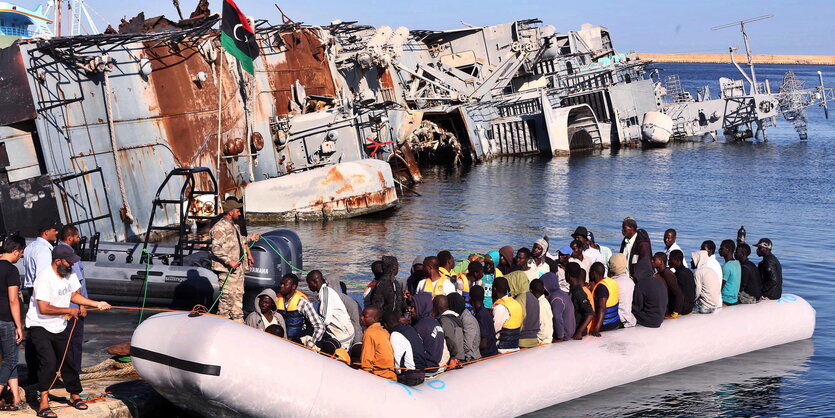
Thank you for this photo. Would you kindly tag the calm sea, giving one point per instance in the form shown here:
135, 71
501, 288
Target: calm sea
782, 189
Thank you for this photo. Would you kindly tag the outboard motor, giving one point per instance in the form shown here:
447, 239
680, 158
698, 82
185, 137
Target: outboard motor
269, 267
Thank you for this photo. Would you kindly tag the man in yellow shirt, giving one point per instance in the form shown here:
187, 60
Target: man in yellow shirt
377, 354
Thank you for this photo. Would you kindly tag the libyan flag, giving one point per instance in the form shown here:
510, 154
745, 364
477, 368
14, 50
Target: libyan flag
237, 36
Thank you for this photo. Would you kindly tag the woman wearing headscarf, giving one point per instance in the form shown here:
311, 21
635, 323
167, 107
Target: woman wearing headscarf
520, 290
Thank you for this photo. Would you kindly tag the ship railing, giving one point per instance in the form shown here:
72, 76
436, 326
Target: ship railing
16, 31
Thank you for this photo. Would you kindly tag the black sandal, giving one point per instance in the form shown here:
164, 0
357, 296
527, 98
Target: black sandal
47, 413
9, 408
79, 404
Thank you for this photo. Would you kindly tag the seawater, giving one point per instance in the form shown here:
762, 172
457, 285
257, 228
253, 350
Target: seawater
782, 189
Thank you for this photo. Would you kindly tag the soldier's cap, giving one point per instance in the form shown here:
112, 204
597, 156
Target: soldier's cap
764, 243
65, 252
231, 204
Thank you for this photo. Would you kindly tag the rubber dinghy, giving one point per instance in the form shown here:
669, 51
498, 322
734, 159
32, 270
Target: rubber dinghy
221, 368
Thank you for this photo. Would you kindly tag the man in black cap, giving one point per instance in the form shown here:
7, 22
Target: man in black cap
771, 272
46, 320
593, 254
230, 259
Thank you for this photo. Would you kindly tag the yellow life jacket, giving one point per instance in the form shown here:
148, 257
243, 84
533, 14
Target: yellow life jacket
610, 314
294, 302
515, 309
434, 288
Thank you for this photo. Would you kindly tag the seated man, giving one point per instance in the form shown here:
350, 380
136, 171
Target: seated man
562, 310
675, 297
332, 310
276, 330
487, 333
431, 333
583, 311
377, 354
453, 330
649, 304
265, 312
407, 348
304, 325
507, 316
750, 287
605, 293
685, 280
731, 273
708, 284
546, 315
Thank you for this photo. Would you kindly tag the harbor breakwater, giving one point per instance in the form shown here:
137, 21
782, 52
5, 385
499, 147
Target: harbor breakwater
725, 59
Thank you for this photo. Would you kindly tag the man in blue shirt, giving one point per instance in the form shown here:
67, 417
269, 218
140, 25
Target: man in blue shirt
69, 238
731, 273
38, 257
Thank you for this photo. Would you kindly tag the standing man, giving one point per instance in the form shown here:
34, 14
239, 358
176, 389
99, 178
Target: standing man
230, 259
388, 294
605, 252
11, 328
507, 317
629, 229
69, 238
523, 257
37, 258
46, 319
539, 257
771, 272
337, 321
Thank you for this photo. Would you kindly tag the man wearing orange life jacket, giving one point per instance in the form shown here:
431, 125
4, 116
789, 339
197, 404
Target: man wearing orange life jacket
605, 295
436, 283
507, 317
304, 325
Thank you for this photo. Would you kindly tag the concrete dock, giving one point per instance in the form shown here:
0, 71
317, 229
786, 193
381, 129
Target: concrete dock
122, 396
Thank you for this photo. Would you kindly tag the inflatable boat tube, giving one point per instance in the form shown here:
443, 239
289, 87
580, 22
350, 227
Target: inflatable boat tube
221, 368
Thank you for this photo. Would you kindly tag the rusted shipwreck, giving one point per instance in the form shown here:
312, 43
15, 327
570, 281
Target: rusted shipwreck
91, 125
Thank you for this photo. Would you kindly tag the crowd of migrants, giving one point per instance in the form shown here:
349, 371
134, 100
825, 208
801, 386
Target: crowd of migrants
447, 314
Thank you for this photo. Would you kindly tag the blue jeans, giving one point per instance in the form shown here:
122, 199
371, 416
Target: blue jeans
8, 346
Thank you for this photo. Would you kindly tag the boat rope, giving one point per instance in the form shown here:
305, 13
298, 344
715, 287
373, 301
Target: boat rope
145, 292
282, 257
229, 273
128, 215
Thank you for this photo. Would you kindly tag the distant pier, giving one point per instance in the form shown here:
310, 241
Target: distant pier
725, 59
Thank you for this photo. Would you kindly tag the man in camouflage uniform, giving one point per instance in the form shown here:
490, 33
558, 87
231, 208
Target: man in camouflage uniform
228, 246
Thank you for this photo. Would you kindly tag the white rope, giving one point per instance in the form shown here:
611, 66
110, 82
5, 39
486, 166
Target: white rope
110, 125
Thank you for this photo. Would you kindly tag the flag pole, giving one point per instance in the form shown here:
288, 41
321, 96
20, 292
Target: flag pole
219, 118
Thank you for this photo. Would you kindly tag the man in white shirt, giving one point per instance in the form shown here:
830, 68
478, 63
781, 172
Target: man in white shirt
37, 257
46, 320
579, 256
332, 310
708, 285
712, 262
670, 244
629, 229
592, 254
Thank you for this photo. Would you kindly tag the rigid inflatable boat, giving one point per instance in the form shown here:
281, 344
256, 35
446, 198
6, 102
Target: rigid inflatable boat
221, 368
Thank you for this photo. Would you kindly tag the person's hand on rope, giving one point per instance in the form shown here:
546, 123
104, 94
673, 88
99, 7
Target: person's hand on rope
102, 306
254, 237
234, 264
72, 313
82, 311
249, 259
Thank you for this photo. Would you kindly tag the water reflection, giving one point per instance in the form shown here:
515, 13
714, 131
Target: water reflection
746, 385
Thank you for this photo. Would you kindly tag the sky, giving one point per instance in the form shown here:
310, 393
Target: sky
672, 26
